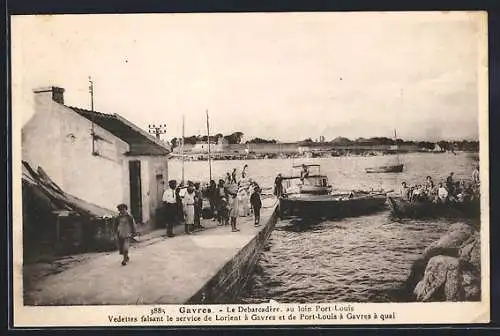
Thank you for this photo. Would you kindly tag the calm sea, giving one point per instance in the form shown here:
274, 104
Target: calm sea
355, 259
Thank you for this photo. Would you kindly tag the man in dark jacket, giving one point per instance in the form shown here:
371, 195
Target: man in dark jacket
198, 207
256, 203
125, 229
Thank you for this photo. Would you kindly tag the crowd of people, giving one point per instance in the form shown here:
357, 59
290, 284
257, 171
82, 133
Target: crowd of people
449, 190
230, 198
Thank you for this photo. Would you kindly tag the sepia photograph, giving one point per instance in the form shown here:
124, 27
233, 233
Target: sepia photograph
250, 162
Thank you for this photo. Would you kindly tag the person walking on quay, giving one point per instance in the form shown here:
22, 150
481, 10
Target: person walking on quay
256, 204
212, 198
170, 202
189, 209
125, 229
198, 206
228, 178
233, 211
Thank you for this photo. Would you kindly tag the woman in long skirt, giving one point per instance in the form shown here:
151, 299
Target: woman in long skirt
189, 203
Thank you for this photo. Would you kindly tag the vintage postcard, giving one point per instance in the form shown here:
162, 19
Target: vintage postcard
250, 169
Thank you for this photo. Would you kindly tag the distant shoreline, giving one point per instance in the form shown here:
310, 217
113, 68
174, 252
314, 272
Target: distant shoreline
271, 155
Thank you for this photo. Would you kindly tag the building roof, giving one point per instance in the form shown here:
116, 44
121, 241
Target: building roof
140, 142
46, 190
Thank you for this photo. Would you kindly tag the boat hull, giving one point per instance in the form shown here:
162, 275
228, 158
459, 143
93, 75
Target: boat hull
405, 209
329, 207
386, 169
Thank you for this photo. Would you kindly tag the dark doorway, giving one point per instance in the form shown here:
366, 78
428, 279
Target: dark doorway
134, 168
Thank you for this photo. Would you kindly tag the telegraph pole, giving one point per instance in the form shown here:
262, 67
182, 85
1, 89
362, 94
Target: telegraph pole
158, 130
91, 91
209, 154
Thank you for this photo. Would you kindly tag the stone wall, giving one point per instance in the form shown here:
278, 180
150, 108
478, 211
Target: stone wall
227, 284
449, 269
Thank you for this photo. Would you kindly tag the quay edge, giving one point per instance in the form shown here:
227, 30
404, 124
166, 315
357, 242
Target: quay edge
228, 282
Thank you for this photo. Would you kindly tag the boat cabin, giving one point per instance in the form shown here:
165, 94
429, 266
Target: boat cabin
307, 183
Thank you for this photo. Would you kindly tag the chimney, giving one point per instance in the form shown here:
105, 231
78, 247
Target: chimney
55, 93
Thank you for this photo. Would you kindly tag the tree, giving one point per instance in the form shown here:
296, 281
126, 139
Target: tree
445, 145
192, 140
260, 141
174, 142
234, 138
426, 145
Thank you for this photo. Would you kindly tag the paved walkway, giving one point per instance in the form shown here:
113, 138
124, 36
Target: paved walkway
161, 270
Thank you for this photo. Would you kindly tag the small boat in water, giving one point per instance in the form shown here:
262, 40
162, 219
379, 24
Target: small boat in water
313, 196
397, 168
425, 209
386, 169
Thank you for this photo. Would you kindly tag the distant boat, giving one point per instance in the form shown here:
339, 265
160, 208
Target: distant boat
313, 197
397, 168
386, 169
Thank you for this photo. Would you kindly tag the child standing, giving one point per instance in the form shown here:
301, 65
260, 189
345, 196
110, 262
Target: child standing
125, 229
256, 204
223, 212
233, 211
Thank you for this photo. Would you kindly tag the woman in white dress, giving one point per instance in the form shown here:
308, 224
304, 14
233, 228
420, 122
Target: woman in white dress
244, 202
188, 204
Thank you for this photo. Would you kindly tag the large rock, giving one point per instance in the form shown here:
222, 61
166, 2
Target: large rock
458, 235
470, 252
471, 285
442, 280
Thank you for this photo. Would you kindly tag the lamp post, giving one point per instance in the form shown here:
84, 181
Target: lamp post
157, 130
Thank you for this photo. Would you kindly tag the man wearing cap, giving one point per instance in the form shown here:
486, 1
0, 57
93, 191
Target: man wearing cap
170, 203
124, 228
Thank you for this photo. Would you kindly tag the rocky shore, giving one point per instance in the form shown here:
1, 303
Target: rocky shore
449, 269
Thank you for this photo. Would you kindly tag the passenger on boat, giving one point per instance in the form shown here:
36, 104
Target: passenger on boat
404, 192
475, 175
304, 173
429, 184
442, 193
418, 193
450, 184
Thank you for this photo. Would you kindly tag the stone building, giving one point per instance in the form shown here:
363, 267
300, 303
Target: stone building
101, 158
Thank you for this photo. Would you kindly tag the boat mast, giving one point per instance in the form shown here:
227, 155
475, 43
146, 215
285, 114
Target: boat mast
209, 156
182, 150
397, 147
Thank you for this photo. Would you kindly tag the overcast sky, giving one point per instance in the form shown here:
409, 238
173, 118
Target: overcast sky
286, 76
